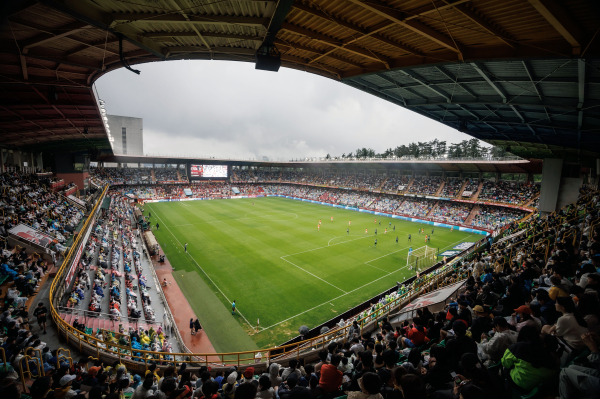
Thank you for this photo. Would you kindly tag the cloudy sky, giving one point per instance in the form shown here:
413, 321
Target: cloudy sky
229, 109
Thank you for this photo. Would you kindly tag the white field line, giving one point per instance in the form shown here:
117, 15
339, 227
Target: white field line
325, 281
206, 274
349, 292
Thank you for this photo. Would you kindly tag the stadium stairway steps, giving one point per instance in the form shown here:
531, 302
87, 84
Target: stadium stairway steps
472, 214
476, 195
153, 176
178, 175
437, 203
410, 183
528, 203
440, 189
382, 183
462, 188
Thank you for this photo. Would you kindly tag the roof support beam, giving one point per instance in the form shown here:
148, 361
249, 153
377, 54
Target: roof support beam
178, 18
202, 39
455, 80
556, 15
282, 9
281, 43
334, 43
473, 16
396, 16
204, 33
86, 45
54, 34
484, 74
581, 90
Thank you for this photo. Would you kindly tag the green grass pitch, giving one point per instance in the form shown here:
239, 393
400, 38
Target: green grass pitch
271, 259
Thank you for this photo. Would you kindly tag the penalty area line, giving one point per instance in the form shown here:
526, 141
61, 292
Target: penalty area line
349, 292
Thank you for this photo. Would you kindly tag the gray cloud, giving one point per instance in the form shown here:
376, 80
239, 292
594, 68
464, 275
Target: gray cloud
229, 109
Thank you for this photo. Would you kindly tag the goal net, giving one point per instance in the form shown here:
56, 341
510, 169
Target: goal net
421, 258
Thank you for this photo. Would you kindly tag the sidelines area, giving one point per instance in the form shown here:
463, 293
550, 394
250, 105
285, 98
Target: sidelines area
206, 274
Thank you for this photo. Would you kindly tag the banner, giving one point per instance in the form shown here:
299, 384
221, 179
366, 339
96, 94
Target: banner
30, 234
464, 245
433, 298
467, 193
450, 252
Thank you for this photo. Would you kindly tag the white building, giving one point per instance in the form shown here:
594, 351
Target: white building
128, 133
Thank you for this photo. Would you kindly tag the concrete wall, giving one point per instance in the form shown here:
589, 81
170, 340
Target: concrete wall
134, 131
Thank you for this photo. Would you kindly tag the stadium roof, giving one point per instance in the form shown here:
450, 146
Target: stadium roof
517, 73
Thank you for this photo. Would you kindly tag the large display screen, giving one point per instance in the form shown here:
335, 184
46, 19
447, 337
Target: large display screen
208, 171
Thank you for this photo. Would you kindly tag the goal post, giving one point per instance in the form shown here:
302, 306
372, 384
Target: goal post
421, 258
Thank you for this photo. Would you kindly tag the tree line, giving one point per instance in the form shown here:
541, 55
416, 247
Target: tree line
435, 149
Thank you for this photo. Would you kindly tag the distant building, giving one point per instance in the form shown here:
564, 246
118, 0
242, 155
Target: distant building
128, 133
265, 158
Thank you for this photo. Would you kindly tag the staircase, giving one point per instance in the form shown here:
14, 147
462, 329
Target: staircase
382, 184
410, 183
528, 203
476, 195
437, 203
178, 175
152, 175
462, 188
472, 214
439, 190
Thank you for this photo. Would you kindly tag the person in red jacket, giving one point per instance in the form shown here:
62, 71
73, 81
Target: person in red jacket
416, 336
331, 377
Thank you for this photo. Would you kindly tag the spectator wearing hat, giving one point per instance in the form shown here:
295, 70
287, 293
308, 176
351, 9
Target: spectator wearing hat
248, 375
276, 380
482, 322
65, 391
231, 385
523, 317
493, 348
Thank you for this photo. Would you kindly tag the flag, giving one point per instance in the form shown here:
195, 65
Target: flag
257, 321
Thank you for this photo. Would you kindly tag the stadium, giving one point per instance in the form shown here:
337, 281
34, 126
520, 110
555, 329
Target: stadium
428, 270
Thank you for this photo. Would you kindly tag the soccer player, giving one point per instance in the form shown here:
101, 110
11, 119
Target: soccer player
394, 227
348, 231
429, 239
375, 221
409, 238
319, 227
319, 222
390, 223
431, 231
385, 232
332, 218
349, 222
376, 243
380, 222
233, 307
396, 240
375, 231
252, 203
452, 228
425, 238
185, 247
366, 231
156, 226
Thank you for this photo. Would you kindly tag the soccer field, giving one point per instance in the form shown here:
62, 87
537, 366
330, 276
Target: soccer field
271, 259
